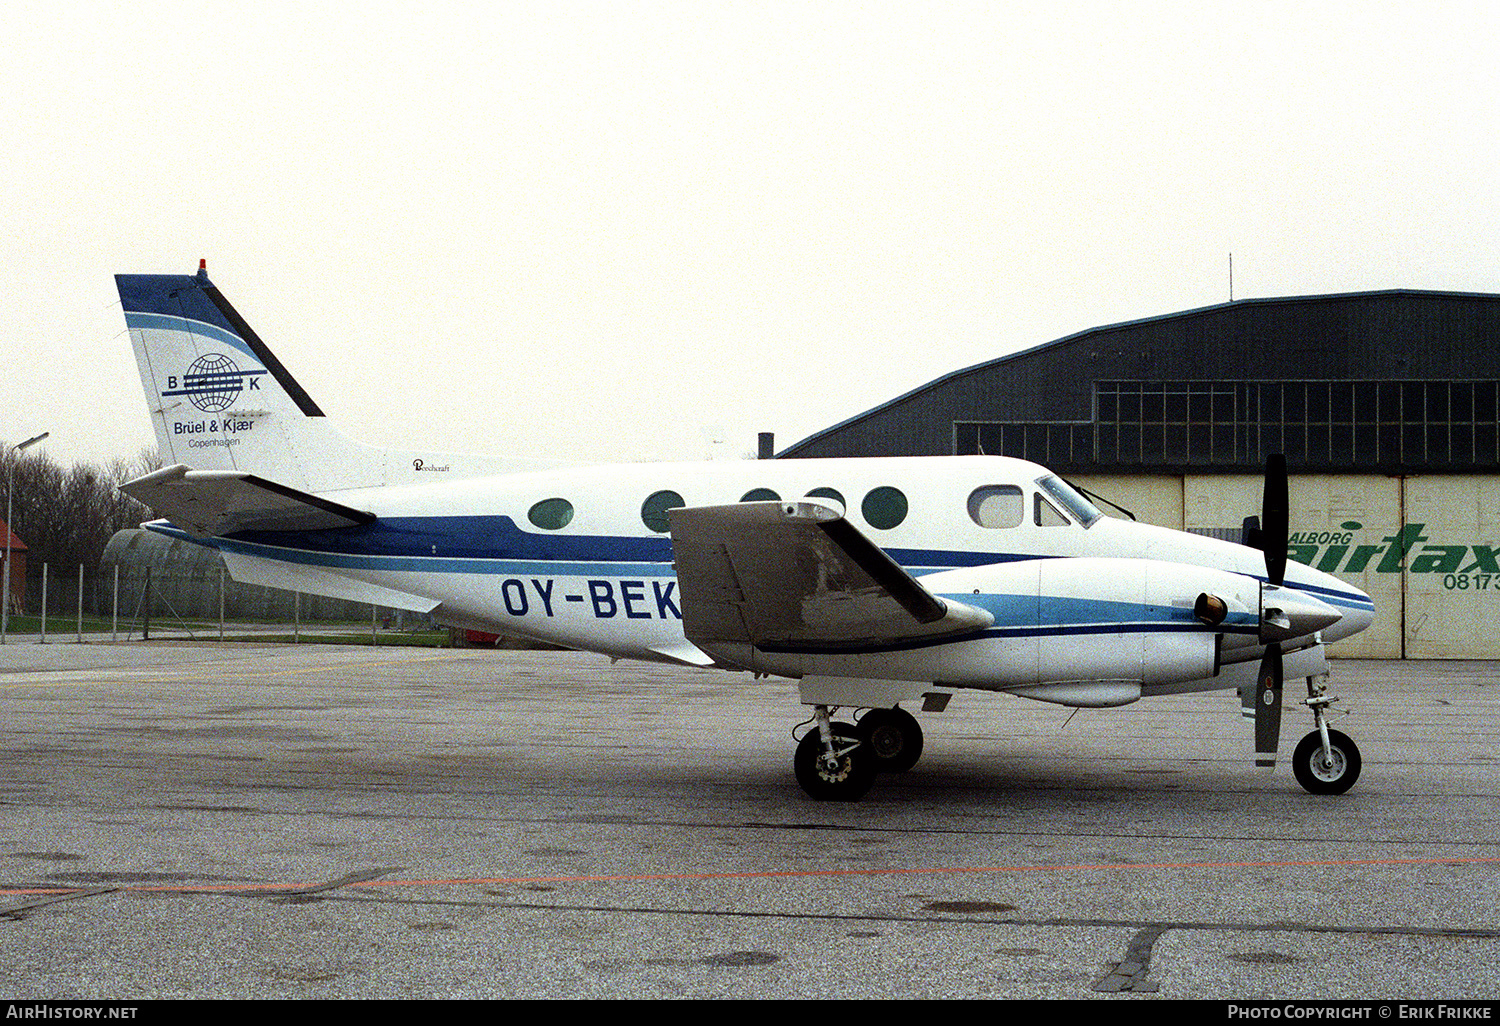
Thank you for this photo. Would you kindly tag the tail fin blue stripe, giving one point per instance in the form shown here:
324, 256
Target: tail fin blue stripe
169, 322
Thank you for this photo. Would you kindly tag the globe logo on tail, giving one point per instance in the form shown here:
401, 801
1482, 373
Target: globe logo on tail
213, 382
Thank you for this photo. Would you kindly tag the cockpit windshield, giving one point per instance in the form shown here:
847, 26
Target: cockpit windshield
1084, 511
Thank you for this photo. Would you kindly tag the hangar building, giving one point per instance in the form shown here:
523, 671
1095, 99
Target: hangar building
1386, 404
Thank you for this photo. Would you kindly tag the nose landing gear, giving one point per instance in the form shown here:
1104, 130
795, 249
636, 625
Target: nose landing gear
1325, 761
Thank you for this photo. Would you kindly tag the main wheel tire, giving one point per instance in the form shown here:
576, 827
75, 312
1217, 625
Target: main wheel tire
894, 738
846, 782
1320, 775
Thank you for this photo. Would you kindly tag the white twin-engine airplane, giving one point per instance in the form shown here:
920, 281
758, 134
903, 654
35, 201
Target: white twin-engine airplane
872, 582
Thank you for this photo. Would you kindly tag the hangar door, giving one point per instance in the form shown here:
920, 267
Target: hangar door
1452, 535
1426, 548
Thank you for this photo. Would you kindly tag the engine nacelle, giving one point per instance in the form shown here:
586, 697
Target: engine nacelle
1110, 620
1076, 631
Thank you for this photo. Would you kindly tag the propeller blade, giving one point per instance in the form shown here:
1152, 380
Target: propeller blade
1275, 515
1270, 535
1268, 707
1250, 532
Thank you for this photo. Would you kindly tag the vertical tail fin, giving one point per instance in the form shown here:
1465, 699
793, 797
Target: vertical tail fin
219, 398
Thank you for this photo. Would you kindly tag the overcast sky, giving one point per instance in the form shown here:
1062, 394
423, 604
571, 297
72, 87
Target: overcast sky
619, 231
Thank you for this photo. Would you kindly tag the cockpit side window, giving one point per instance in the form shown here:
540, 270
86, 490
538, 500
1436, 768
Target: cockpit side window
1047, 514
997, 506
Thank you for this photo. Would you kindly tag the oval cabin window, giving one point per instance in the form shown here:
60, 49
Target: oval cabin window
884, 507
829, 493
551, 514
654, 510
997, 506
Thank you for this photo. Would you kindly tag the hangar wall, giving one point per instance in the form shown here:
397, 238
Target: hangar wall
1385, 404
188, 580
1425, 548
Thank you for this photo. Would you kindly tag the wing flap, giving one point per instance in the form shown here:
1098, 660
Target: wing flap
798, 574
213, 503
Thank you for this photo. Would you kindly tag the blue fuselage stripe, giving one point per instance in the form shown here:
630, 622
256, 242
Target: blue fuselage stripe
464, 544
494, 545
1007, 632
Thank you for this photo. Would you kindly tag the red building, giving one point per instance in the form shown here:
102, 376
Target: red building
17, 550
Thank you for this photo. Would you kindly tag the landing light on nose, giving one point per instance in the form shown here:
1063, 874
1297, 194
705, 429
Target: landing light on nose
1210, 609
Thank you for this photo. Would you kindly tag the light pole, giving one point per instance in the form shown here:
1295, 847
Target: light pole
10, 491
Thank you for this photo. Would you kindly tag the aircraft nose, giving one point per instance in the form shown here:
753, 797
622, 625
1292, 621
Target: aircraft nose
1356, 610
1360, 613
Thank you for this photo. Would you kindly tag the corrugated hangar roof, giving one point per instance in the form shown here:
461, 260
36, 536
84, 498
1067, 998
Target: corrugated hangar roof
1395, 380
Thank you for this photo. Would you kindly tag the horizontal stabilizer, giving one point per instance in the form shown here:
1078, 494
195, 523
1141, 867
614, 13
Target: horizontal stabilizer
311, 580
682, 653
213, 503
798, 574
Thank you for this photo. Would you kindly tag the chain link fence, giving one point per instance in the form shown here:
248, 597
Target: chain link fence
148, 582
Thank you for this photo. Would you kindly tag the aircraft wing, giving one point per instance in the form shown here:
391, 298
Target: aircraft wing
211, 503
798, 574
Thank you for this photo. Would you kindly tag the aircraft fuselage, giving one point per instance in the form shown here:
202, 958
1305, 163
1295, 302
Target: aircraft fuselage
581, 557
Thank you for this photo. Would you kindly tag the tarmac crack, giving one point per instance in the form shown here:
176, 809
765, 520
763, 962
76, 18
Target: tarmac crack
1153, 928
19, 910
1131, 973
315, 892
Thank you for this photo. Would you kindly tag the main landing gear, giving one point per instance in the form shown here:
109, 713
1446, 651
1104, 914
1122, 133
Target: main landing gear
839, 761
894, 737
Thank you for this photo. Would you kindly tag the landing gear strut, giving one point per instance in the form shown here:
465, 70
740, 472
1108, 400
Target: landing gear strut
833, 763
1325, 761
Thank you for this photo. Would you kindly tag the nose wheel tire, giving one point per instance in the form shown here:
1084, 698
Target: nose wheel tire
1326, 773
843, 777
894, 738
